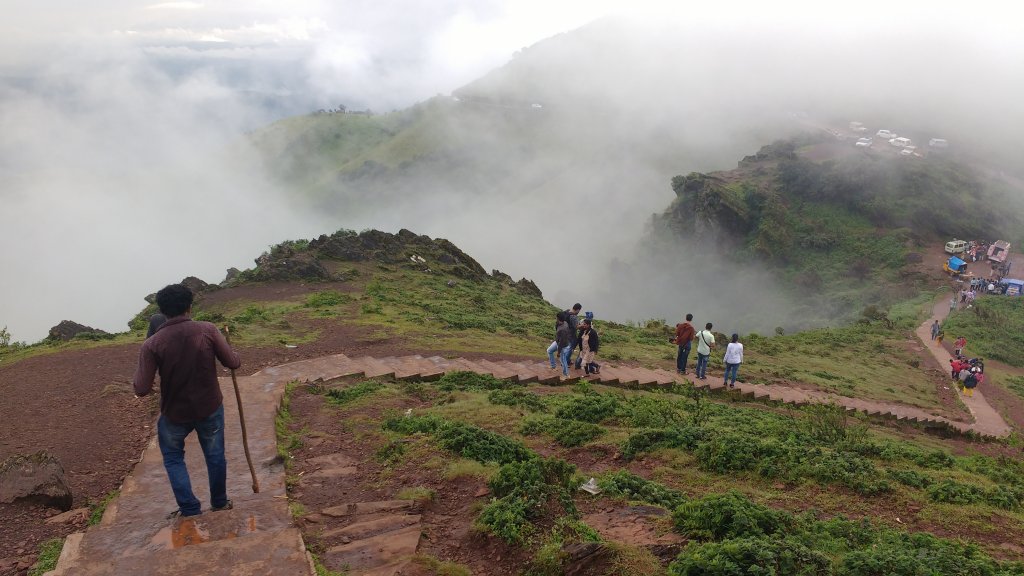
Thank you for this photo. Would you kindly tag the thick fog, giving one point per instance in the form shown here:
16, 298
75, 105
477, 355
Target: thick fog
124, 166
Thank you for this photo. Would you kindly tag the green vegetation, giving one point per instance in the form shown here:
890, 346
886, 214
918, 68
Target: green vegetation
98, 507
994, 328
287, 440
439, 567
342, 396
49, 553
732, 535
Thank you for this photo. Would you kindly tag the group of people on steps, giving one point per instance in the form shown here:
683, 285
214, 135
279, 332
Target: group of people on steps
684, 338
571, 333
968, 373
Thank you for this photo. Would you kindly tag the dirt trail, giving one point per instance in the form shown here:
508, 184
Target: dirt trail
987, 420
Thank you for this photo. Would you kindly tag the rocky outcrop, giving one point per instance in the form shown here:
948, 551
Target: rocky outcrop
67, 330
38, 477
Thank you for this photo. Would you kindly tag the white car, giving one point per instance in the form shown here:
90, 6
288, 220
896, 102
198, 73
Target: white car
863, 143
885, 134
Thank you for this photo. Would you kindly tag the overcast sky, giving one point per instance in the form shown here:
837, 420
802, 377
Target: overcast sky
114, 115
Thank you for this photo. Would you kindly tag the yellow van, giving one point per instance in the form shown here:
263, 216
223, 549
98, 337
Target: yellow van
956, 246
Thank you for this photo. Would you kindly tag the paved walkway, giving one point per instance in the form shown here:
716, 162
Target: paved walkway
987, 421
257, 537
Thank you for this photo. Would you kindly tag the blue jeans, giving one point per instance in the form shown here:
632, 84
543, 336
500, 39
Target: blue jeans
551, 353
210, 431
731, 367
682, 357
564, 356
702, 365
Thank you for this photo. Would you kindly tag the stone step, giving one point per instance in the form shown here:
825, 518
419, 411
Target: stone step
276, 552
428, 369
148, 536
359, 508
374, 368
523, 375
463, 365
541, 371
373, 527
499, 371
646, 377
363, 556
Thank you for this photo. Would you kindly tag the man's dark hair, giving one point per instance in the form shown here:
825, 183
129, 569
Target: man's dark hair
689, 317
561, 316
707, 326
174, 299
577, 306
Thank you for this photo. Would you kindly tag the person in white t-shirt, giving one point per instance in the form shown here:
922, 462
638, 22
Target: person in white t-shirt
705, 342
733, 359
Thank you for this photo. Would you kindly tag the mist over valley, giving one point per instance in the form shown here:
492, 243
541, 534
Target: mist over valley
124, 175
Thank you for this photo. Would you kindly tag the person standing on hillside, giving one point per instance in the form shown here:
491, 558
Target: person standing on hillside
935, 330
683, 339
959, 345
705, 342
185, 353
733, 359
589, 343
572, 316
553, 348
563, 337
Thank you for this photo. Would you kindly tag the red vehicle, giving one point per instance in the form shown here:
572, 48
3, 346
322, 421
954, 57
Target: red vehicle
999, 251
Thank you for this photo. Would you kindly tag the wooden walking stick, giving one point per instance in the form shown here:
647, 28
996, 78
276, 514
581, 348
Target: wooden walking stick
241, 418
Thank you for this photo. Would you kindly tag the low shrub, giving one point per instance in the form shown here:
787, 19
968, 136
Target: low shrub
953, 492
687, 437
465, 380
909, 478
760, 556
520, 398
729, 515
591, 408
651, 412
326, 299
568, 433
633, 487
479, 444
342, 396
522, 491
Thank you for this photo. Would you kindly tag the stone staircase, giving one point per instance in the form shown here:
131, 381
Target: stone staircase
630, 377
257, 537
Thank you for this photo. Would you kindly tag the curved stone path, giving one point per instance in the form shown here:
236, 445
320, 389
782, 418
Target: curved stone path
987, 421
257, 537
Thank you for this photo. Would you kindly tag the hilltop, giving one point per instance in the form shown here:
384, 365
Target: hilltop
387, 295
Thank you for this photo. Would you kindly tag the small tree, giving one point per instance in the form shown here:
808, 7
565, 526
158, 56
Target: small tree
5, 337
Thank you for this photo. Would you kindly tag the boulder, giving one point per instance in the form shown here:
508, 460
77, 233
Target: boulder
525, 286
231, 275
67, 330
198, 286
39, 477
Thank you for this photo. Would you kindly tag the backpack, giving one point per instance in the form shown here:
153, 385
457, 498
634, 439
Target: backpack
595, 340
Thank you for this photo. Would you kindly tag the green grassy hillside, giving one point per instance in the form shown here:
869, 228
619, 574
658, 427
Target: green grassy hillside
840, 233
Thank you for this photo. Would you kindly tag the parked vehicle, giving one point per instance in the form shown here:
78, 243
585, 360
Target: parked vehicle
1014, 287
938, 143
886, 134
857, 127
999, 251
955, 266
900, 141
955, 246
863, 142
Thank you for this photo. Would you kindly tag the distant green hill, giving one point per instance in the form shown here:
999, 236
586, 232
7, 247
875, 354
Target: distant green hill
832, 228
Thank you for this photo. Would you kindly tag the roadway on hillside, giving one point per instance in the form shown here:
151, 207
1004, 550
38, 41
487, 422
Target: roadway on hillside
987, 420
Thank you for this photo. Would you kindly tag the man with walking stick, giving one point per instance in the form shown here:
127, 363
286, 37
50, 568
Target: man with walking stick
185, 353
